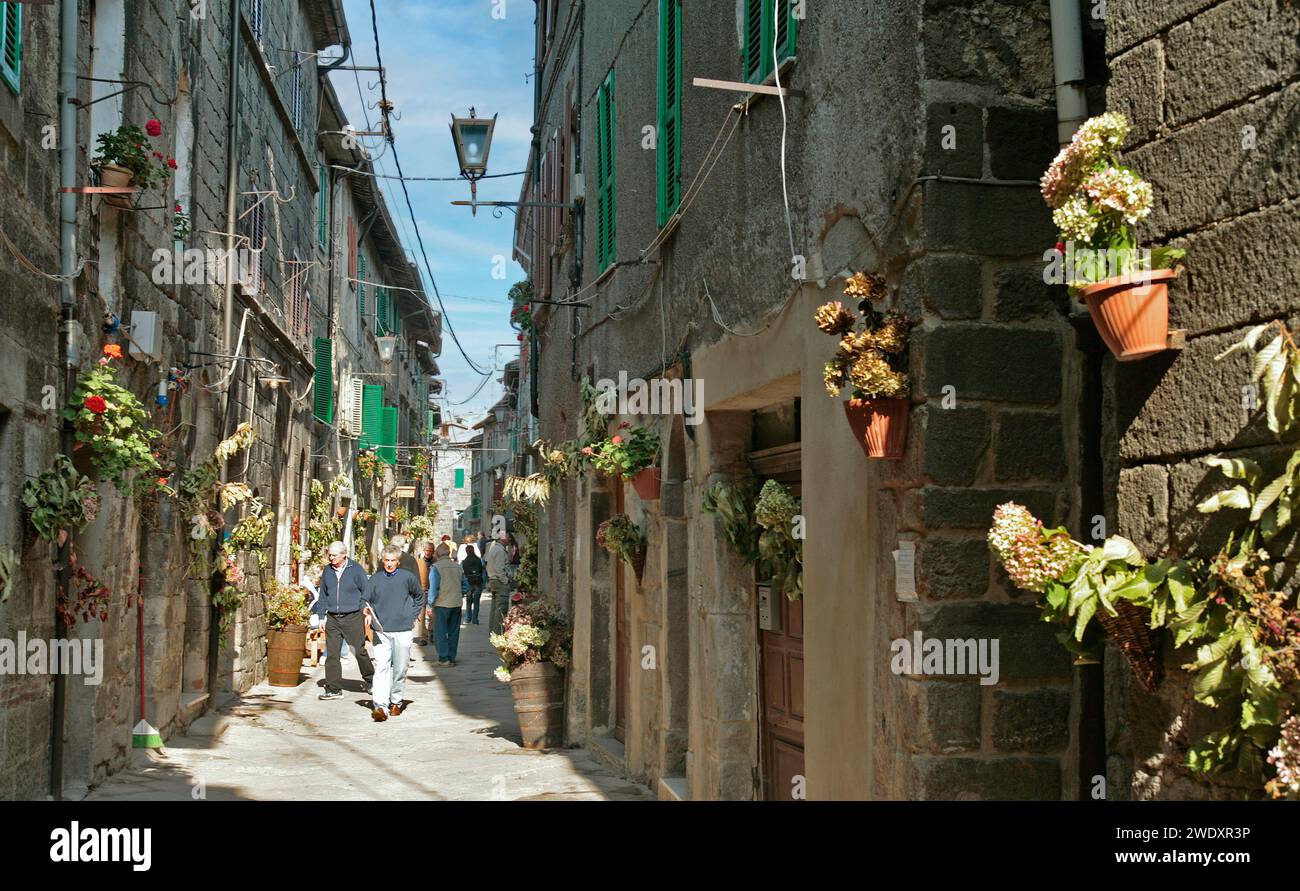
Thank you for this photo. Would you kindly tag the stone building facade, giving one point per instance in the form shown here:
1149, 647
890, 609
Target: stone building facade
169, 61
918, 160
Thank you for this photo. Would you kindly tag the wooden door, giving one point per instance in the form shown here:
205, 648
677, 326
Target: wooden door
781, 656
621, 654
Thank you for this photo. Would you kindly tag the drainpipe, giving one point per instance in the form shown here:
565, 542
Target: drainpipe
68, 25
1067, 57
232, 205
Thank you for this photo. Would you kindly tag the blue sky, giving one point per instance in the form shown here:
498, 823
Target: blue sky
440, 57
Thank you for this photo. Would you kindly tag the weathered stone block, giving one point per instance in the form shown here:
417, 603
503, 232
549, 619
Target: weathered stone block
1020, 293
1032, 720
949, 286
973, 508
1000, 362
1143, 499
1031, 445
1027, 646
1022, 141
1137, 89
1201, 173
1004, 46
954, 139
952, 715
1253, 47
955, 442
978, 779
1131, 21
1000, 221
951, 568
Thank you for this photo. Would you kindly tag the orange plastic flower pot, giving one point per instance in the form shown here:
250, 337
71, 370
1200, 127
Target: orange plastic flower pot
879, 425
646, 484
1131, 313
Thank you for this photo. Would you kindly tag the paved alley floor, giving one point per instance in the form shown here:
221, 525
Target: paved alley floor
458, 739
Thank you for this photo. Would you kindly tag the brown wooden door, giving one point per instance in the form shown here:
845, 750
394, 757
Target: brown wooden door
781, 656
621, 654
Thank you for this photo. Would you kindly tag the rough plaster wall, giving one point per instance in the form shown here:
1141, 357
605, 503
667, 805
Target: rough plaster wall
1192, 76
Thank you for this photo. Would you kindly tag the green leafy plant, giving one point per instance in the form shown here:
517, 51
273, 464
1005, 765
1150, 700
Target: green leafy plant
533, 631
780, 542
521, 297
112, 424
200, 489
733, 502
624, 539
286, 605
1096, 204
60, 501
249, 534
87, 600
564, 460
628, 452
128, 146
526, 530
872, 354
419, 465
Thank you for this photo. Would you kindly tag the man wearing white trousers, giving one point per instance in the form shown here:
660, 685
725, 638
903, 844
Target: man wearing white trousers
392, 600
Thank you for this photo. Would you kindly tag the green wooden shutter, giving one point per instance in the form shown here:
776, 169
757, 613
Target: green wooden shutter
606, 241
361, 288
372, 402
460, 477
323, 208
11, 44
324, 401
381, 312
670, 107
785, 30
387, 447
428, 421
752, 54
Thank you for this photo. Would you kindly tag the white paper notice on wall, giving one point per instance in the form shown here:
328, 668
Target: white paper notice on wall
905, 571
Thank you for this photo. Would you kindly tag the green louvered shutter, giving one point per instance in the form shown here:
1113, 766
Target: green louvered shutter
388, 445
11, 44
381, 312
752, 54
372, 402
670, 107
324, 387
428, 421
460, 477
361, 288
323, 208
605, 211
786, 29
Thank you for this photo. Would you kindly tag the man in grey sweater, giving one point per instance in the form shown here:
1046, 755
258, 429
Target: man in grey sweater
392, 601
498, 556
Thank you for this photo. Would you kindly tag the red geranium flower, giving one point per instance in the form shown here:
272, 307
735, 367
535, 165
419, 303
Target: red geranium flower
153, 127
162, 480
617, 440
586, 450
1060, 247
178, 208
171, 162
96, 404
113, 350
158, 155
625, 425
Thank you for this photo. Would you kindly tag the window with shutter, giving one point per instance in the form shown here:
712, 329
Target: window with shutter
606, 241
460, 477
381, 312
361, 288
753, 51
768, 24
323, 403
11, 44
352, 248
323, 208
670, 107
372, 402
388, 448
357, 410
786, 29
295, 98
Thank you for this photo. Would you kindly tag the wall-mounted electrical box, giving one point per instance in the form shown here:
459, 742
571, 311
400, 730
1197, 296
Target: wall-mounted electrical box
146, 336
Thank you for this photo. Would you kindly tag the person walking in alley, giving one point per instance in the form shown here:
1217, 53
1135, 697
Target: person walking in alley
472, 564
411, 565
447, 584
498, 559
342, 587
392, 602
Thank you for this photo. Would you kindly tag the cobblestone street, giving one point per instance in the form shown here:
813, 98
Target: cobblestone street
457, 740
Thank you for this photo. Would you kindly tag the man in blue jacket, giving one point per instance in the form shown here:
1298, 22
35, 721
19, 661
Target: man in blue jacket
392, 601
342, 586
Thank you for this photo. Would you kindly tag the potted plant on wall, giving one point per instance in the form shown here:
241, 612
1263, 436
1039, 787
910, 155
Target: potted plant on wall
124, 159
631, 453
287, 618
1096, 204
870, 360
534, 645
113, 429
623, 538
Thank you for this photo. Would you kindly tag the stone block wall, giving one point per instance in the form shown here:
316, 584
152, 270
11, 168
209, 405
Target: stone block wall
1211, 87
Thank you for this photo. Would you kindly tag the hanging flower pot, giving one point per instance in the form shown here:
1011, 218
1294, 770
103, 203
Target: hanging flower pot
647, 483
879, 425
115, 176
1131, 312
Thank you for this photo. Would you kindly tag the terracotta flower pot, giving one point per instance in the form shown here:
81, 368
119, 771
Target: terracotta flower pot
879, 425
646, 484
116, 177
1131, 312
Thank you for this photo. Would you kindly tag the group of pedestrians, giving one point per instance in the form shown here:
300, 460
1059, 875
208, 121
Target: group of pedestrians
404, 602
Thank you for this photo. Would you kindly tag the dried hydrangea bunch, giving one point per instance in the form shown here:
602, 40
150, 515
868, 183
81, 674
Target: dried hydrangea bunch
1029, 558
865, 358
1285, 758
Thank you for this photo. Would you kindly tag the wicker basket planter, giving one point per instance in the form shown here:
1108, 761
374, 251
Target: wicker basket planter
1136, 641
